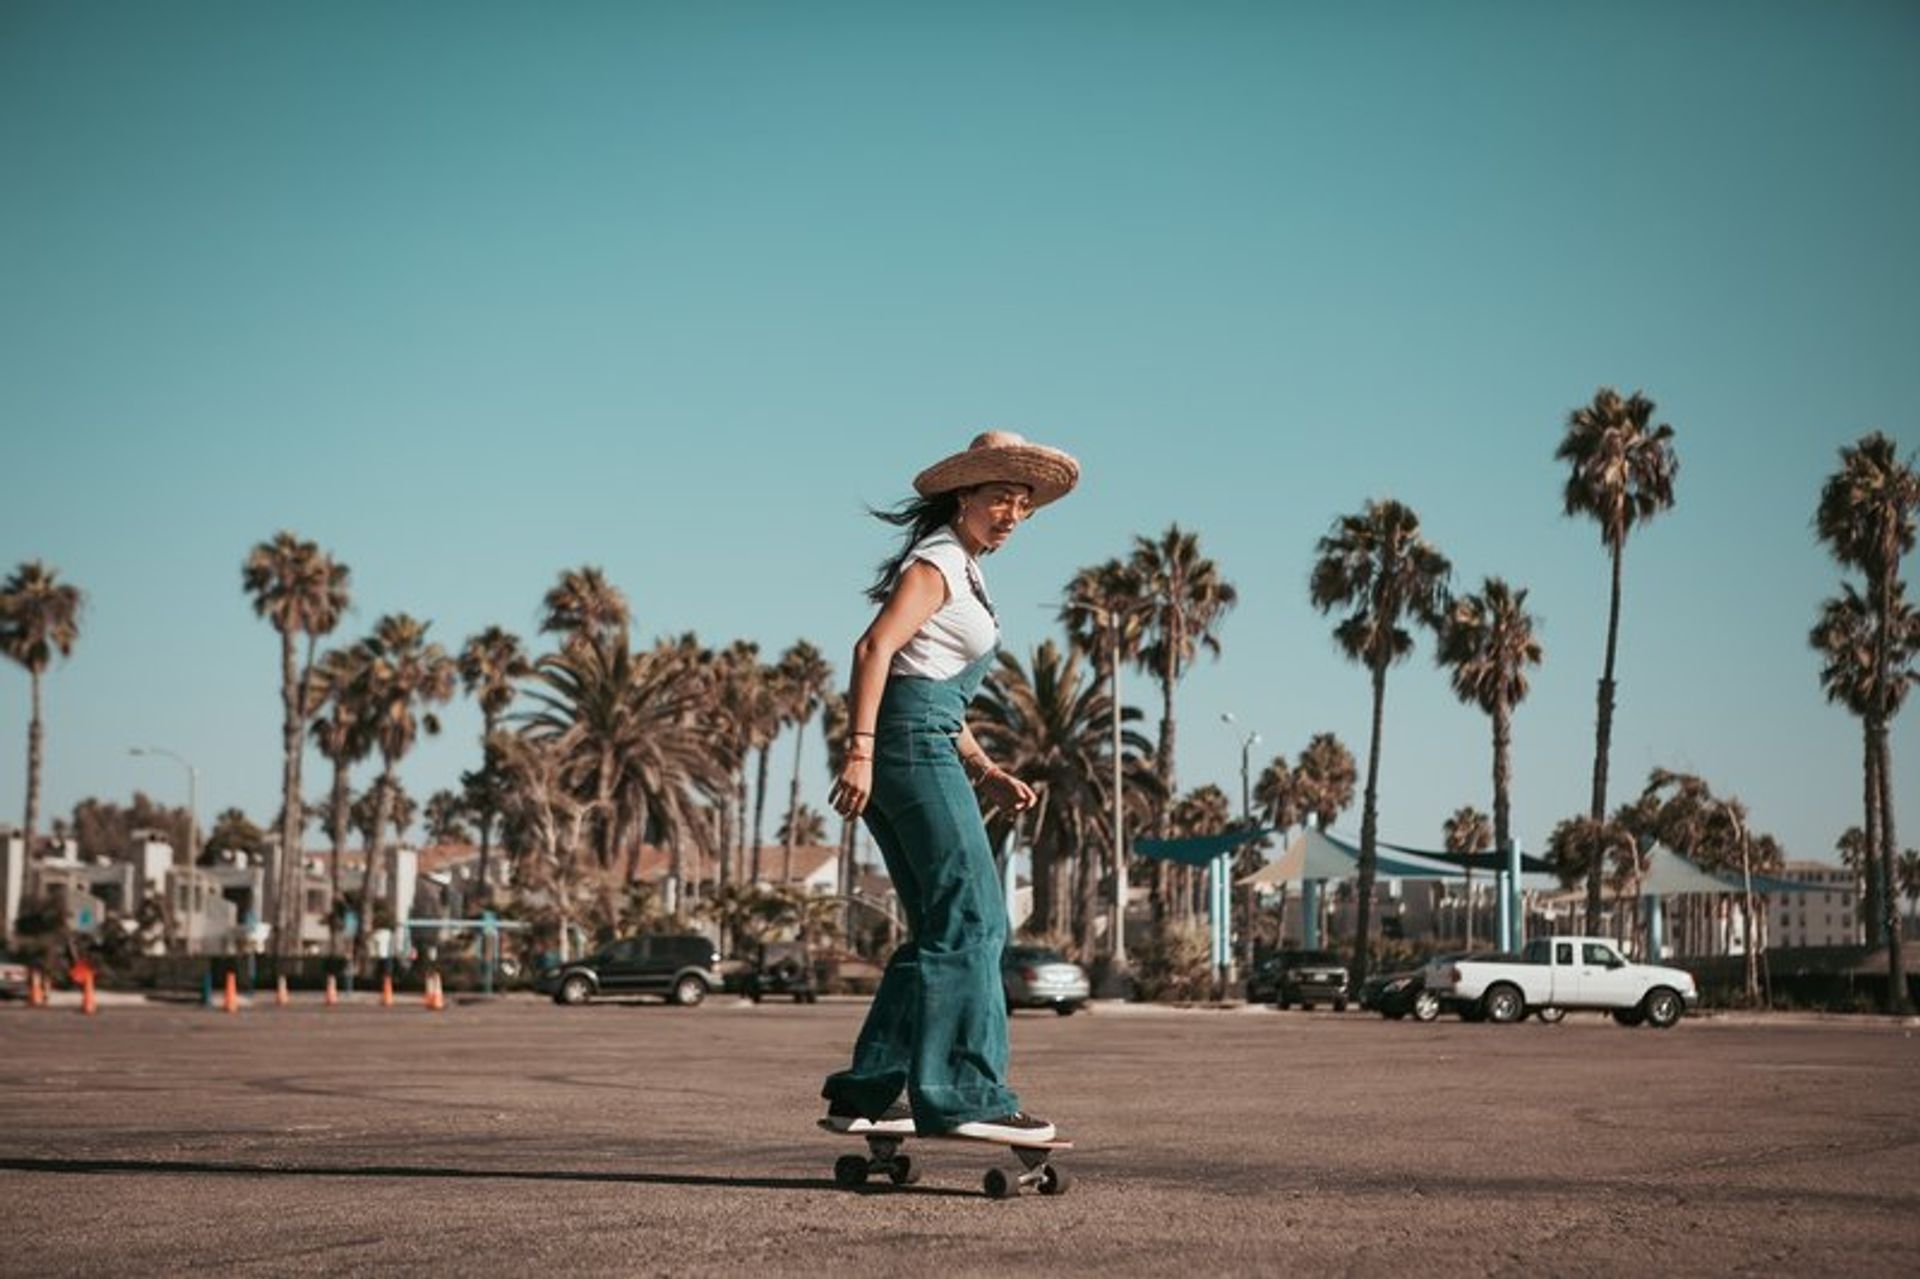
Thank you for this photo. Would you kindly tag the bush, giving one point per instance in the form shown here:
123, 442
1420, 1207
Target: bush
1174, 964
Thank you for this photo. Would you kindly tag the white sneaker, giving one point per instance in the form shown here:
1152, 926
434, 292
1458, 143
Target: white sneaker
895, 1121
1017, 1127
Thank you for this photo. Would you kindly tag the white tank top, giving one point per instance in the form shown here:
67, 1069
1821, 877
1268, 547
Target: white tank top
961, 631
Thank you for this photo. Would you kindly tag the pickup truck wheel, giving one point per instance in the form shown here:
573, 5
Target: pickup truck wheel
1661, 1008
1505, 1005
1552, 1016
1426, 1006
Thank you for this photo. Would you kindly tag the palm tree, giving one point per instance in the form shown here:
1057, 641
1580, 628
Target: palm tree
803, 679
405, 674
491, 664
1857, 855
39, 616
583, 605
1324, 778
446, 815
803, 826
1182, 600
1681, 811
1488, 643
739, 700
301, 590
1381, 567
1909, 876
1622, 474
1276, 795
1104, 617
1047, 724
1866, 517
1847, 637
836, 720
541, 822
1467, 833
341, 730
766, 710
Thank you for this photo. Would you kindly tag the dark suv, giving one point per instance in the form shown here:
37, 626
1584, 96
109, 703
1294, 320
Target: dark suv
1305, 977
682, 967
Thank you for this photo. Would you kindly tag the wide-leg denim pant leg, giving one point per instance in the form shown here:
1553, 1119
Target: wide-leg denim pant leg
938, 1025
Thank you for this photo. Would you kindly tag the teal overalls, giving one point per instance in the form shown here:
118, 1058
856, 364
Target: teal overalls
938, 1025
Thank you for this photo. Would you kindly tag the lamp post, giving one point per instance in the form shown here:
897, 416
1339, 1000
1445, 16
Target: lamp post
1224, 867
193, 802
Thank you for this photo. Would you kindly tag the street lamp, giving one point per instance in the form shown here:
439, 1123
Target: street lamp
1223, 867
193, 801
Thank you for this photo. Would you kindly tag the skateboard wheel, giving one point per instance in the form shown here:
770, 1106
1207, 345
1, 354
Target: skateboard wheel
850, 1170
999, 1185
903, 1171
1054, 1180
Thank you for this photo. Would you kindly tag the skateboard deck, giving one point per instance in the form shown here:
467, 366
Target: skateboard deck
883, 1158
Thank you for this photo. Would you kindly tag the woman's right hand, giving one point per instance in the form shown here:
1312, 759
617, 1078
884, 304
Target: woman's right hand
854, 787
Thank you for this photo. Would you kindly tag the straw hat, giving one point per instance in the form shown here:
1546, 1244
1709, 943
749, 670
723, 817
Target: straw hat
1005, 458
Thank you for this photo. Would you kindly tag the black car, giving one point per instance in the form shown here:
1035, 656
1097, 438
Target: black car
1397, 995
784, 968
1308, 977
682, 967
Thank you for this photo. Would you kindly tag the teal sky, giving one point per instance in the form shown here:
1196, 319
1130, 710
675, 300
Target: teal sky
472, 293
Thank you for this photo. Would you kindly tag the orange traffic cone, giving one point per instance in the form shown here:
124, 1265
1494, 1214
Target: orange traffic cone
386, 990
232, 1000
280, 999
36, 989
333, 991
434, 1003
87, 1003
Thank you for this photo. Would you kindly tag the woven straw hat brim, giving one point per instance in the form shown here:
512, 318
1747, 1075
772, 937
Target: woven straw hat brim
1049, 473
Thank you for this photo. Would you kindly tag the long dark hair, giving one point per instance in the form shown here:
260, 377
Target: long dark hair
919, 516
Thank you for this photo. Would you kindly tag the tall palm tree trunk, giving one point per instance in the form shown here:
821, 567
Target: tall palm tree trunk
36, 737
1603, 734
1872, 868
760, 810
1502, 783
377, 853
288, 859
1161, 887
489, 724
1369, 822
337, 829
793, 808
1897, 1000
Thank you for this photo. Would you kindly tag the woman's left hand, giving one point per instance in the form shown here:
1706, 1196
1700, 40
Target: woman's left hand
1004, 790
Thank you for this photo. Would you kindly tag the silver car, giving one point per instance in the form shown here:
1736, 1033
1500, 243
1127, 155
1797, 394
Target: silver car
1040, 977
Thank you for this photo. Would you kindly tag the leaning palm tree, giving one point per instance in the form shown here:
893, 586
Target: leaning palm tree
738, 693
1487, 644
39, 616
1866, 517
405, 674
1682, 812
1047, 724
343, 734
1182, 599
836, 721
1276, 795
804, 677
1103, 618
803, 827
1467, 833
1622, 474
491, 665
1381, 568
583, 606
301, 590
1856, 854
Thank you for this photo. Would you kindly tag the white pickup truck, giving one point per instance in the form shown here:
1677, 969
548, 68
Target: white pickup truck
1563, 973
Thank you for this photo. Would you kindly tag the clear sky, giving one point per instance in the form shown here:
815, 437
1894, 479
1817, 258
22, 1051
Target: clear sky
472, 293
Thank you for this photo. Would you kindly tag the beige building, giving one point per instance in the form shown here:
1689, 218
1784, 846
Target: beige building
1826, 915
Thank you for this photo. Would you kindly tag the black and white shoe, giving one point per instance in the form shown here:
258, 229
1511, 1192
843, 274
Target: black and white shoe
1017, 1127
895, 1121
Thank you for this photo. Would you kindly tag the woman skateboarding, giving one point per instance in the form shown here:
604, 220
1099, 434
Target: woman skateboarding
938, 1026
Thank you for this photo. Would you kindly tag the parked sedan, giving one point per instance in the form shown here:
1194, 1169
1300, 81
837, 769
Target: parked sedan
1039, 977
681, 967
1397, 995
13, 977
1309, 977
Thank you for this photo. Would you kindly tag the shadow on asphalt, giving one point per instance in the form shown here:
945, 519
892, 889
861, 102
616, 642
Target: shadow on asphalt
211, 1168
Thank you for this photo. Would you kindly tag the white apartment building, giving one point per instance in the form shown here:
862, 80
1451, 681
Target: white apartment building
1828, 915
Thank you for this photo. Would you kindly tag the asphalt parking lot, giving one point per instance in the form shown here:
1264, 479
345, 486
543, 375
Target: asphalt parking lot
637, 1138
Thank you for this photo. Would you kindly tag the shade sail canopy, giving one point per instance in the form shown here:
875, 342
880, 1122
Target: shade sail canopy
1669, 873
1198, 851
1316, 854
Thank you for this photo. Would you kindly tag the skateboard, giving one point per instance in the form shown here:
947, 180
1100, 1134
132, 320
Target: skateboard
883, 1158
